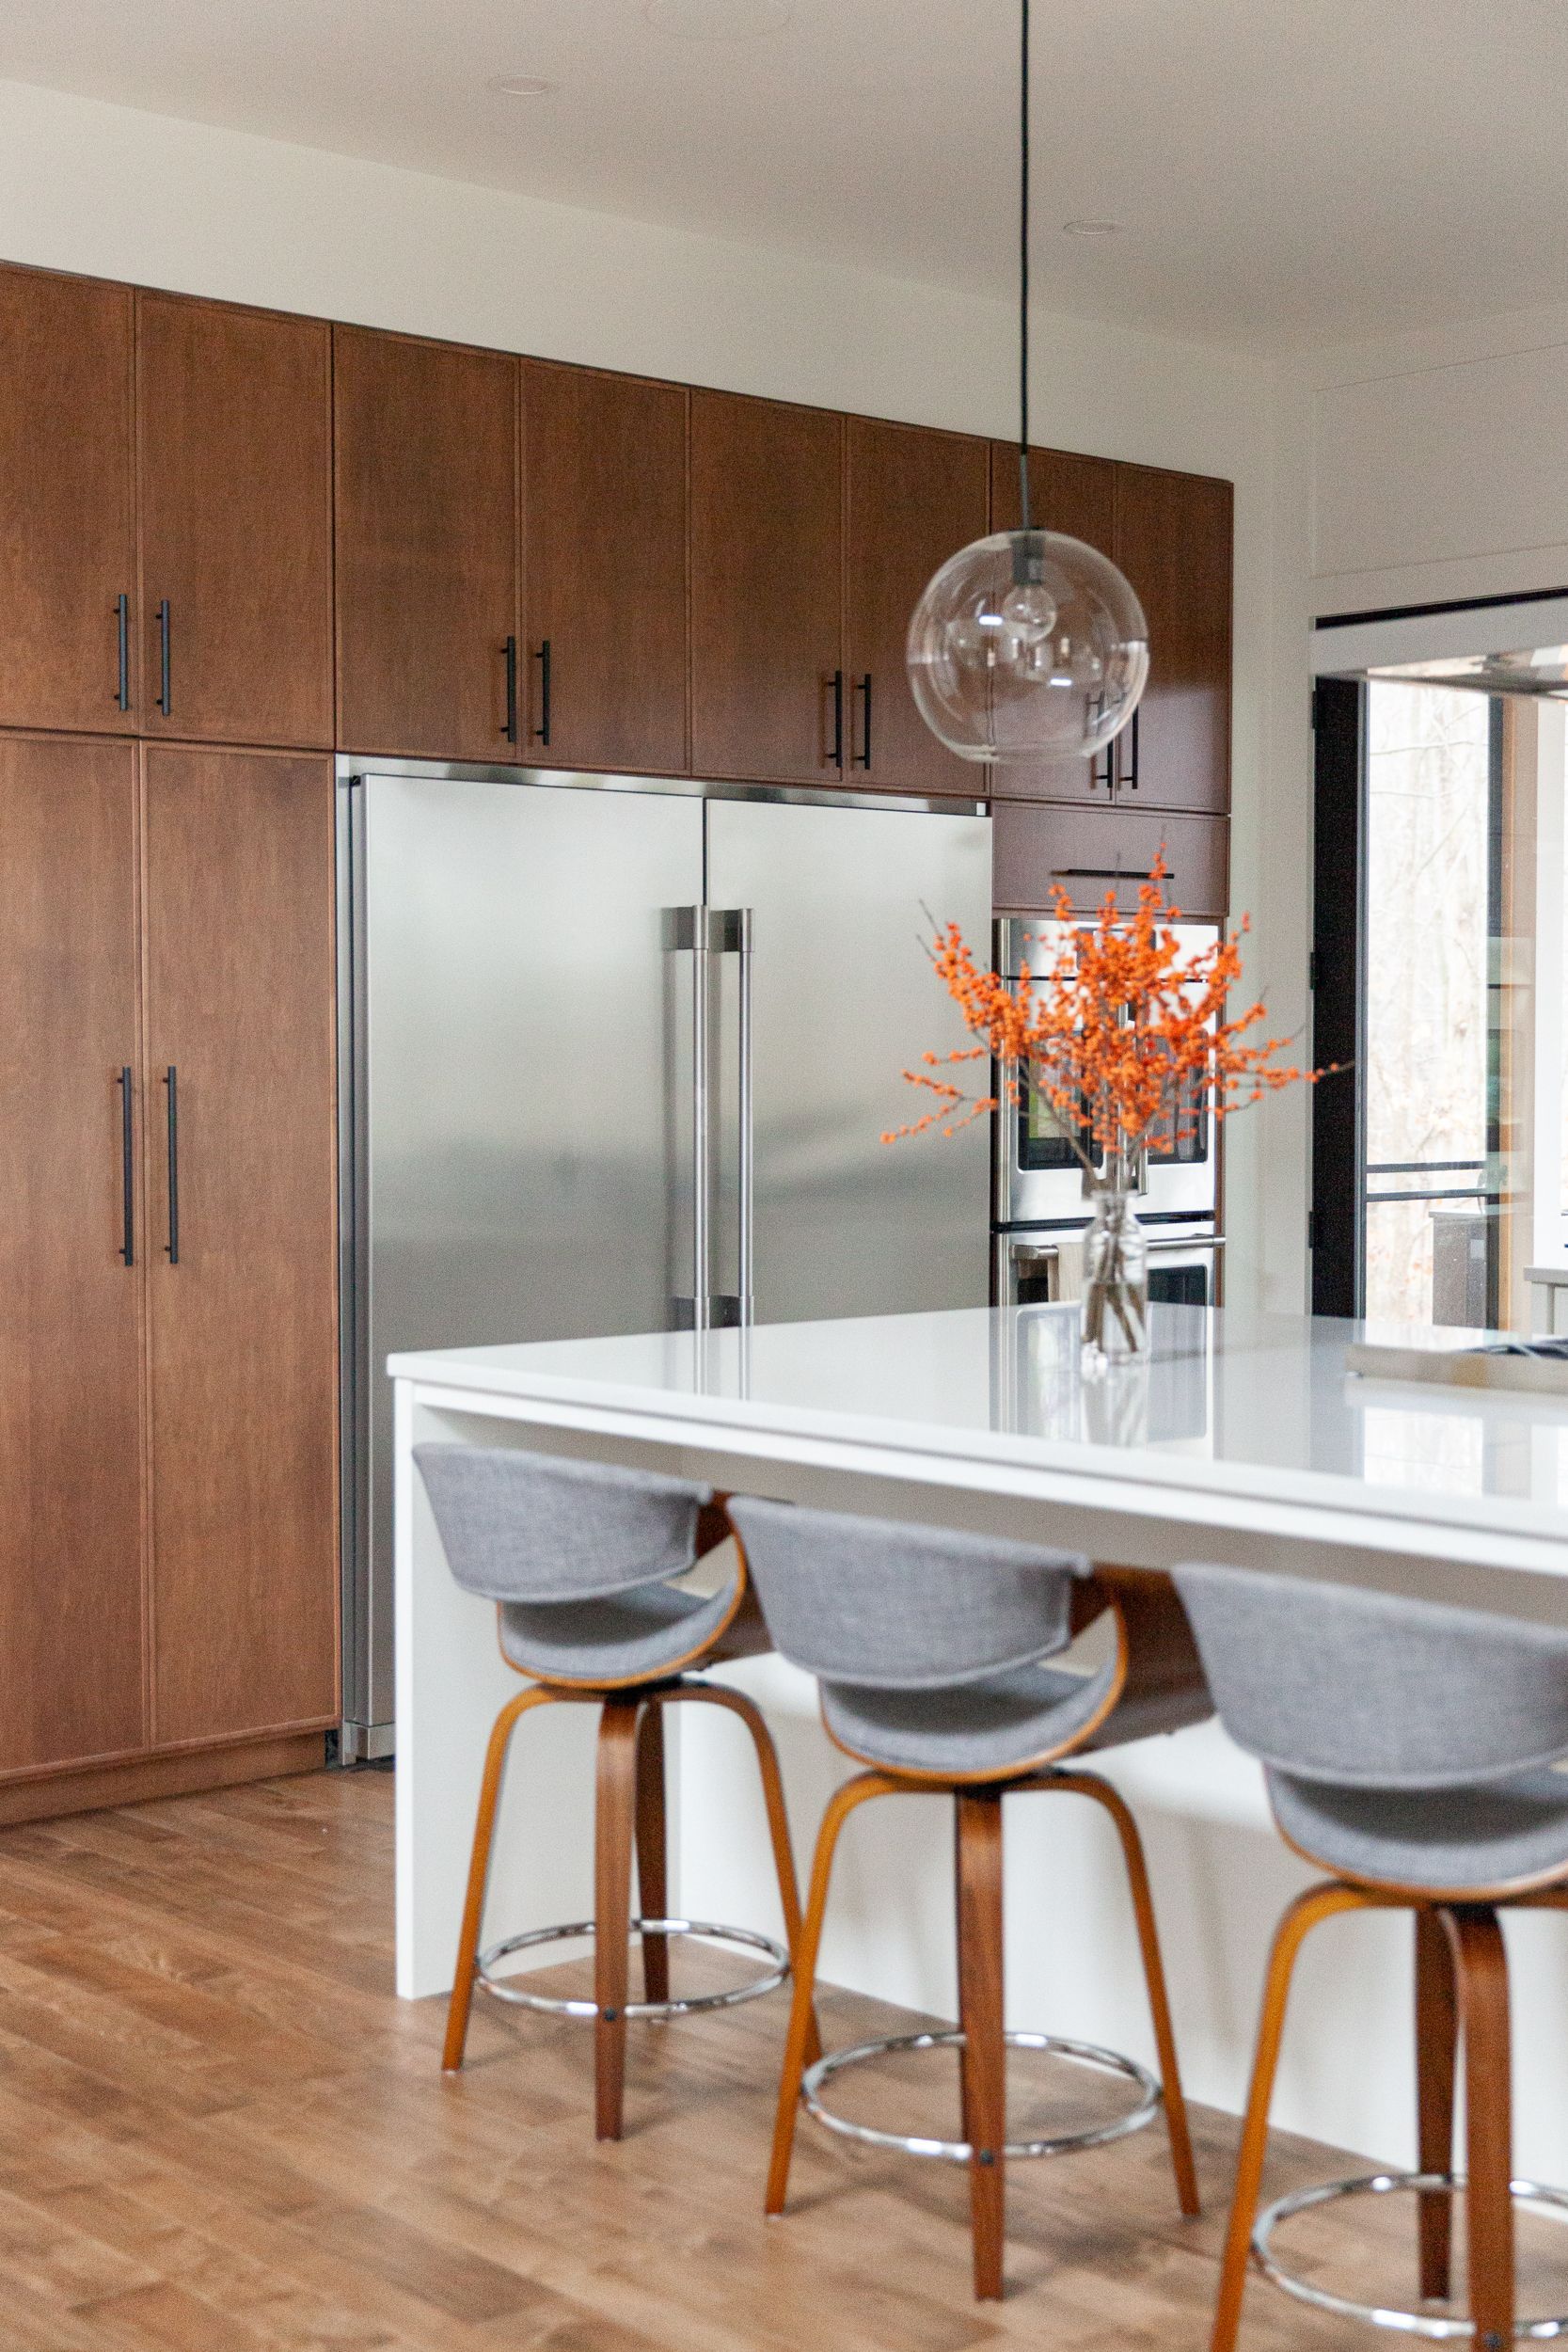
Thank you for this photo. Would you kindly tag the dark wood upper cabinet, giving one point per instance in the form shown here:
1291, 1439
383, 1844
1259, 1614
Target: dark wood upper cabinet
234, 423
427, 528
769, 699
1077, 496
914, 498
70, 1258
604, 478
66, 503
1066, 493
242, 1247
1174, 542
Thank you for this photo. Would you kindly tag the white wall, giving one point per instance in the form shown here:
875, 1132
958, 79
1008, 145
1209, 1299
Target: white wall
113, 192
1438, 464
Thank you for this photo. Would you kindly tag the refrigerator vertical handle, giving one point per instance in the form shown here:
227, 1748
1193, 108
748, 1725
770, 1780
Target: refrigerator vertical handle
686, 933
748, 1157
706, 933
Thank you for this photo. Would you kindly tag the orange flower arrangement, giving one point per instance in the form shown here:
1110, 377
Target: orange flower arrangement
1123, 1024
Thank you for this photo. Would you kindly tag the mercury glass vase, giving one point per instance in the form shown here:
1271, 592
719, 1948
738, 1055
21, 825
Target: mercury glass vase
1115, 1283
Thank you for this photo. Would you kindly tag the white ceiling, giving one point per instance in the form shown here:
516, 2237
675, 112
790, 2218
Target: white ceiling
1287, 171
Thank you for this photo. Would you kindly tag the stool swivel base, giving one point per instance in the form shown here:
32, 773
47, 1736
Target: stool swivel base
689, 2005
628, 1820
1085, 2054
1436, 2327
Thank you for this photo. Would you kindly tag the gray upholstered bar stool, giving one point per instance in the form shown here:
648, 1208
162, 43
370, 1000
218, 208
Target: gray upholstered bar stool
580, 1558
928, 1647
1405, 1746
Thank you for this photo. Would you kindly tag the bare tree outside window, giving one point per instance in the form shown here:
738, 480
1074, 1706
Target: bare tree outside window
1428, 788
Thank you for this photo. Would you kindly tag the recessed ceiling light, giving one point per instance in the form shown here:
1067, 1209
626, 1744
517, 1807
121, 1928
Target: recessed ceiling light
520, 86
718, 19
1091, 228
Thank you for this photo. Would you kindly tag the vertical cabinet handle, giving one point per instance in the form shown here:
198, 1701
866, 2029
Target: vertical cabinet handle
835, 757
1127, 778
542, 731
172, 1244
510, 729
865, 692
1108, 779
123, 639
163, 658
127, 1168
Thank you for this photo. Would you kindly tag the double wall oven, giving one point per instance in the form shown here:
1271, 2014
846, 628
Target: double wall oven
1040, 1212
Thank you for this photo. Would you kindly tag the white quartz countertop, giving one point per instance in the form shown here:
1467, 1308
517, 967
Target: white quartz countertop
1256, 1408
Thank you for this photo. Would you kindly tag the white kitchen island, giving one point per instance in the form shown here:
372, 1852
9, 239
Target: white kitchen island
1246, 1441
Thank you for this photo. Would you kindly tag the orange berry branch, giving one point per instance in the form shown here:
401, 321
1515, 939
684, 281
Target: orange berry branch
1123, 1024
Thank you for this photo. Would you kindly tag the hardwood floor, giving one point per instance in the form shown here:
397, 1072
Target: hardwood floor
221, 2131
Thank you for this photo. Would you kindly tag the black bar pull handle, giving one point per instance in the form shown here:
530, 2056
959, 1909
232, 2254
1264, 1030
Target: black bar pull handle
162, 656
510, 729
122, 635
171, 1080
542, 731
1108, 779
835, 757
864, 690
127, 1169
1128, 776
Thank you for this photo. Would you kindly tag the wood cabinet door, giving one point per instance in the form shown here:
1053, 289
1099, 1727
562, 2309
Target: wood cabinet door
604, 474
427, 526
66, 503
1095, 852
914, 499
1067, 492
242, 1251
1174, 544
72, 1671
1077, 496
770, 698
234, 431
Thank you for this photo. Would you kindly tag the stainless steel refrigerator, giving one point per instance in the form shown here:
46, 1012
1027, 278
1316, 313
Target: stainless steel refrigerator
616, 1055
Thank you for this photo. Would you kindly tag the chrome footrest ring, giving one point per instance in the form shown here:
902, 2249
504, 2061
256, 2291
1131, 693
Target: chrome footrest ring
508, 1989
1151, 2098
1432, 2325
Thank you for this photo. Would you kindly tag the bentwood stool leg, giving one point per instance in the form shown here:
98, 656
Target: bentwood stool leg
1305, 1914
1090, 1784
984, 2053
615, 1797
653, 1862
1436, 2051
801, 2019
720, 1695
1481, 1964
479, 1873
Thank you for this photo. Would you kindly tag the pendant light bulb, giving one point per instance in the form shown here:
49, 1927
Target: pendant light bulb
1027, 645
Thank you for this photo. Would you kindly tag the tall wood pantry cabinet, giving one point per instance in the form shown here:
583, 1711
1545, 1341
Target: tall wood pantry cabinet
168, 1408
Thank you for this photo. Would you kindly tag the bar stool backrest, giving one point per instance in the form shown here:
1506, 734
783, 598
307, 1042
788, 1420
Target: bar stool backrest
1330, 1682
533, 1527
900, 1608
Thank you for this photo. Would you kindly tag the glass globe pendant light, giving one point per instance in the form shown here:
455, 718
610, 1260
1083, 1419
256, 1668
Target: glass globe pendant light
1027, 645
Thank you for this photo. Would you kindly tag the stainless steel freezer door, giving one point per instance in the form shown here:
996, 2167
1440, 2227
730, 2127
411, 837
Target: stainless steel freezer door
523, 1151
842, 1000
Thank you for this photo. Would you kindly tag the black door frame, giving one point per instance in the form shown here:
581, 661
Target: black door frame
1338, 1012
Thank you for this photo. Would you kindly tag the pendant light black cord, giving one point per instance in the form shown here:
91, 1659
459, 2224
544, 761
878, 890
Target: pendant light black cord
1023, 278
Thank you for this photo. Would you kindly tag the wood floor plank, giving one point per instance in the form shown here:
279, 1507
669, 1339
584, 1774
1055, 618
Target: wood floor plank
221, 2131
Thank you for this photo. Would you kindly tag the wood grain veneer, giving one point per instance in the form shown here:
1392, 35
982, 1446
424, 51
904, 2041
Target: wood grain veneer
234, 423
67, 498
71, 1333
243, 1340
